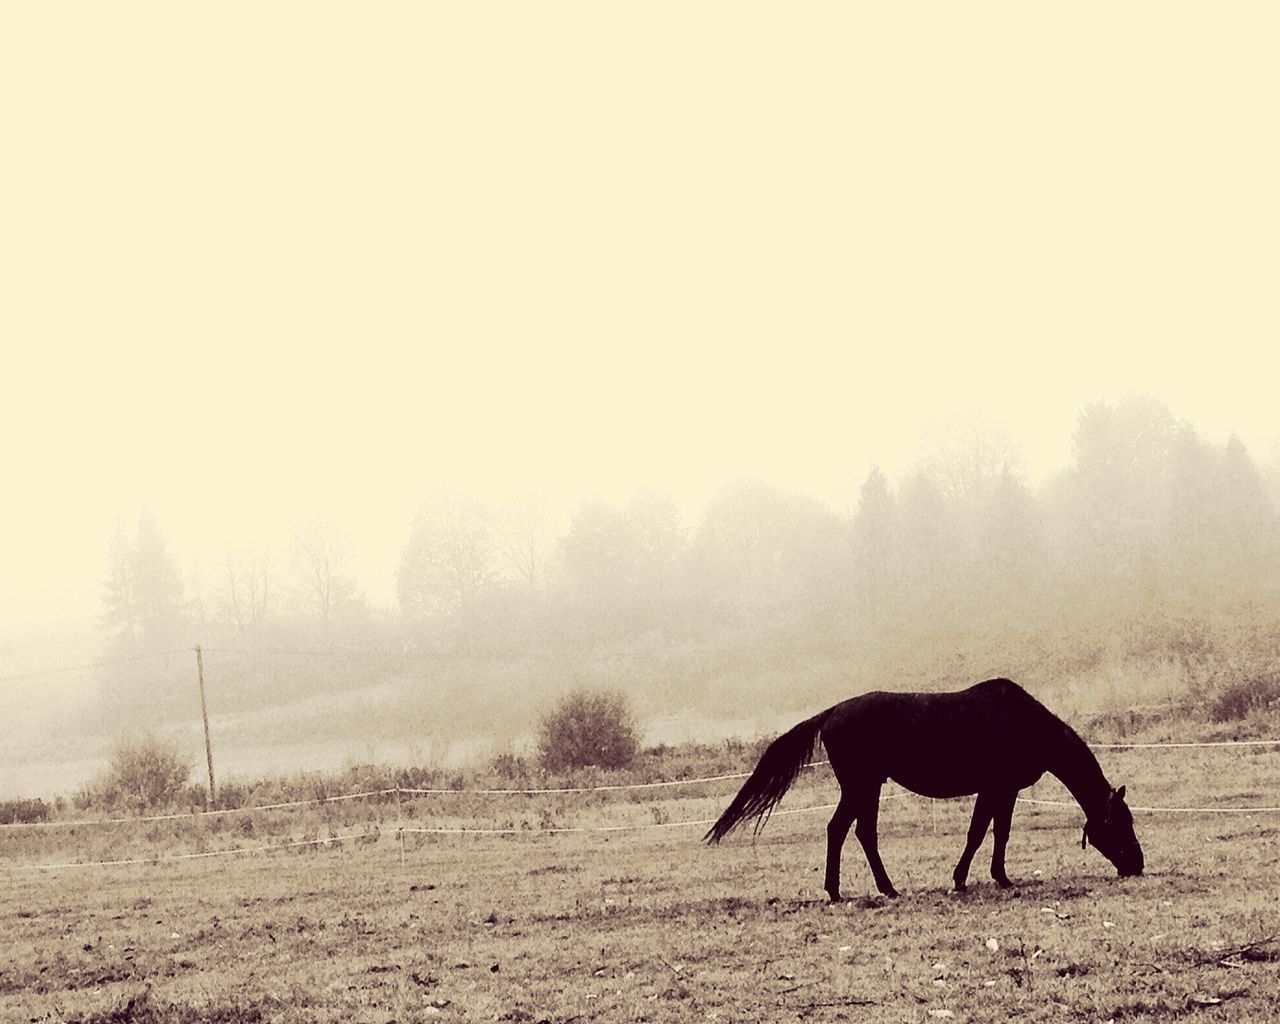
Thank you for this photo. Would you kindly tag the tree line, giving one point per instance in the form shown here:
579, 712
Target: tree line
1152, 547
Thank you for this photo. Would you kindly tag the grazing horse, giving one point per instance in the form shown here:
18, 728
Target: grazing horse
992, 739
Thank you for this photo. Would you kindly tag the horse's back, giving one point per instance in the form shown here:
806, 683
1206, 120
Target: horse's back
940, 744
995, 706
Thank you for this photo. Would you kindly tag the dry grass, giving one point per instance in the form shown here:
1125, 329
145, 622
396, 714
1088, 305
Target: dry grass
651, 926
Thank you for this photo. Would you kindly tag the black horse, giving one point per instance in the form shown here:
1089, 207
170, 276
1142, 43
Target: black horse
992, 739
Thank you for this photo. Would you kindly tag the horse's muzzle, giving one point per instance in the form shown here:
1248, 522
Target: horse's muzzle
1132, 864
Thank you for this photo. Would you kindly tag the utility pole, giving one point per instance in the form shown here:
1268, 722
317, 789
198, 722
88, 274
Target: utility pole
204, 713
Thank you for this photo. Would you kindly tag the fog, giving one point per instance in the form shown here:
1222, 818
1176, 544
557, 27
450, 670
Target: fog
423, 355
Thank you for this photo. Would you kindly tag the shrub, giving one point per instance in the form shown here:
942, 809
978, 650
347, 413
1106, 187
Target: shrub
1237, 700
588, 728
23, 812
145, 773
232, 795
196, 796
510, 767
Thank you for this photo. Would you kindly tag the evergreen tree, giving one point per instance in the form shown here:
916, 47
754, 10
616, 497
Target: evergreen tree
143, 593
875, 556
119, 613
1247, 542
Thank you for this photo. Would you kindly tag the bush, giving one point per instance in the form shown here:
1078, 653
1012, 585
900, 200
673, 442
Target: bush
23, 812
588, 728
509, 767
145, 773
232, 796
1238, 700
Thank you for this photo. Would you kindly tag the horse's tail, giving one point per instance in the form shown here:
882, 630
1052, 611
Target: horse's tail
782, 761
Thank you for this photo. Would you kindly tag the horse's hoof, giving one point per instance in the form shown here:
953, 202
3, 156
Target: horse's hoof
961, 887
891, 893
837, 898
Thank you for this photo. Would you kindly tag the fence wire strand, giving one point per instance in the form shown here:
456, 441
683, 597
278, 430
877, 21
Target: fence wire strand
401, 831
200, 855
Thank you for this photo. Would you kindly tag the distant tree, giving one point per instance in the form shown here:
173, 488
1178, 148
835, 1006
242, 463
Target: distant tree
526, 540
119, 618
1123, 464
658, 539
143, 592
1270, 473
928, 532
875, 545
600, 550
934, 579
1246, 535
1010, 547
588, 728
1191, 513
1131, 438
449, 557
157, 586
323, 587
248, 579
625, 557
967, 455
759, 545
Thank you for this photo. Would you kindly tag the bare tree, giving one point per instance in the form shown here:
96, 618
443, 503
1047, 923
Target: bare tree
249, 581
319, 556
526, 540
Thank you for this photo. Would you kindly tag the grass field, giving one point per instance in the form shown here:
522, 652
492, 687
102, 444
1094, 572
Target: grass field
648, 925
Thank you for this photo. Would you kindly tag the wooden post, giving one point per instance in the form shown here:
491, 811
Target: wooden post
400, 825
204, 714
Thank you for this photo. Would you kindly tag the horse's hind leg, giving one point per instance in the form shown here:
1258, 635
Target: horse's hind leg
868, 810
982, 813
1003, 815
837, 832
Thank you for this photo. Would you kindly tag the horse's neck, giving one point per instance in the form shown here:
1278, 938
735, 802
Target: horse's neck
1073, 763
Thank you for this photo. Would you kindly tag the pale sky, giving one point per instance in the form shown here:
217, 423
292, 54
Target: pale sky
263, 263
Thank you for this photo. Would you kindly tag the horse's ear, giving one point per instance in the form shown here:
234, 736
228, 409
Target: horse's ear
1084, 836
1120, 793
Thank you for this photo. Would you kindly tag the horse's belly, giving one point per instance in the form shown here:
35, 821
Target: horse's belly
940, 788
962, 781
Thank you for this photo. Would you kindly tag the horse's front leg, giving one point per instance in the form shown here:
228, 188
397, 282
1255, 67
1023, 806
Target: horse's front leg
868, 809
1002, 816
982, 812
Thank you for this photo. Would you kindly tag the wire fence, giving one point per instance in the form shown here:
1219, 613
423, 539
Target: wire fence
402, 828
402, 791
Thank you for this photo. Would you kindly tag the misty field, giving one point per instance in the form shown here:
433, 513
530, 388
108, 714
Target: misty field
648, 924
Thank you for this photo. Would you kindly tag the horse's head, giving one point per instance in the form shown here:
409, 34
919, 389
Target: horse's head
1111, 831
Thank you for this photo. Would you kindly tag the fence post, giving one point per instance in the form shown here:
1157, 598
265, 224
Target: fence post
204, 714
400, 823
